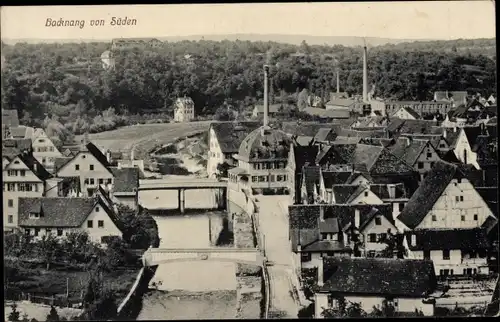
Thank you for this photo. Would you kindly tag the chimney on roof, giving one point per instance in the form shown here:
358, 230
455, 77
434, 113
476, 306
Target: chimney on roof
320, 272
356, 218
266, 96
365, 75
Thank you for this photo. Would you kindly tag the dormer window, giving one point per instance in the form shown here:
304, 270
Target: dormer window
34, 215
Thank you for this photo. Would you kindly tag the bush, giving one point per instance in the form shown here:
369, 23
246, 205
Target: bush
53, 316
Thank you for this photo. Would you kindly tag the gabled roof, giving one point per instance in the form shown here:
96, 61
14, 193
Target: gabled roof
323, 134
383, 191
351, 154
304, 155
410, 111
408, 149
429, 191
93, 150
21, 131
10, 118
231, 134
125, 179
432, 239
378, 141
335, 113
343, 192
13, 147
389, 277
36, 167
388, 163
335, 177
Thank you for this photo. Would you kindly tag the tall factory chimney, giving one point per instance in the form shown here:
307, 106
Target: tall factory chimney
338, 82
365, 76
266, 96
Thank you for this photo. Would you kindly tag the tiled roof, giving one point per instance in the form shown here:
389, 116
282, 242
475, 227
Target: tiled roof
433, 239
10, 118
323, 134
125, 179
56, 212
67, 153
408, 149
60, 162
269, 145
412, 112
378, 141
472, 132
92, 149
343, 192
231, 134
434, 139
304, 155
369, 132
13, 147
341, 102
347, 140
356, 173
390, 277
335, 177
21, 131
352, 154
388, 163
431, 188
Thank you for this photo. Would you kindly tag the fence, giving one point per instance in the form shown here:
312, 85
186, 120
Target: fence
57, 301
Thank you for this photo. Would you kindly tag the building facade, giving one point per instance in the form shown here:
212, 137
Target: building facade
184, 110
44, 149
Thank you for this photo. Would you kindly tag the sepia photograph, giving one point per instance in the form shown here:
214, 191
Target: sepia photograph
297, 160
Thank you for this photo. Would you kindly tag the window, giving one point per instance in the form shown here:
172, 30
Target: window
427, 254
366, 193
429, 155
446, 254
77, 167
401, 206
461, 198
457, 199
10, 203
90, 224
34, 215
91, 167
254, 178
434, 218
109, 181
84, 156
23, 173
271, 178
86, 181
48, 231
11, 187
91, 180
27, 231
37, 230
97, 209
100, 223
101, 181
372, 238
59, 232
10, 219
462, 217
475, 217
378, 221
305, 257
420, 165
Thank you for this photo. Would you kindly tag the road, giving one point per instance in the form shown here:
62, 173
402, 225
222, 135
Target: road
274, 225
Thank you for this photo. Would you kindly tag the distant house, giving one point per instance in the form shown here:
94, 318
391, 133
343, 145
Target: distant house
184, 110
224, 141
329, 114
340, 103
419, 154
274, 109
62, 216
406, 113
44, 149
405, 284
22, 132
455, 97
453, 251
420, 107
108, 62
445, 200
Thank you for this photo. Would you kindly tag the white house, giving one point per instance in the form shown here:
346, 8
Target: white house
23, 176
444, 200
453, 251
61, 216
372, 282
184, 109
44, 149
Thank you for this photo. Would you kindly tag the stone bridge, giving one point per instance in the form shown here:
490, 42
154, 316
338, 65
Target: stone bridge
157, 256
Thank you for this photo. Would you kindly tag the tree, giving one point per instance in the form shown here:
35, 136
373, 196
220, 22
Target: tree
48, 247
53, 315
14, 315
344, 309
222, 169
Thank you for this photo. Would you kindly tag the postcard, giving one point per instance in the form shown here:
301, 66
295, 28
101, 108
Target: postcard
250, 161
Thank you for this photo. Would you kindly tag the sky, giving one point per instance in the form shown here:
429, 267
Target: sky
404, 20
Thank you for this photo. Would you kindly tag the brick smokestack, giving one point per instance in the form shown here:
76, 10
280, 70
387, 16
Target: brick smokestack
266, 95
365, 75
338, 82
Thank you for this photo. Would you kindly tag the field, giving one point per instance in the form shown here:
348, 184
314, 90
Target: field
144, 137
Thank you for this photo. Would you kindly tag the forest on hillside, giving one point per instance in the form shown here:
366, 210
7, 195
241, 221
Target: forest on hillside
67, 84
